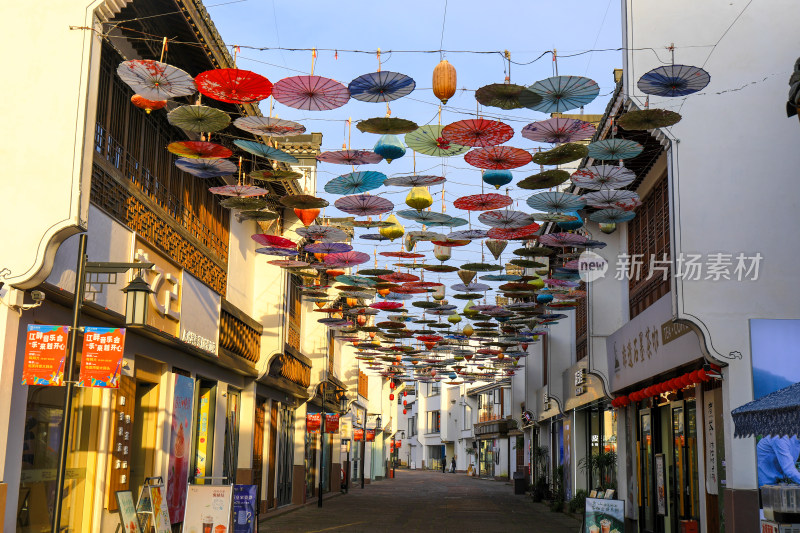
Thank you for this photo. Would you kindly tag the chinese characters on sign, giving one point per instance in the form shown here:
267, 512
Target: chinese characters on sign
101, 358
244, 508
45, 353
313, 422
604, 516
370, 435
331, 423
711, 446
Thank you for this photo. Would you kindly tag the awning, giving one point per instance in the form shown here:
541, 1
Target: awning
775, 414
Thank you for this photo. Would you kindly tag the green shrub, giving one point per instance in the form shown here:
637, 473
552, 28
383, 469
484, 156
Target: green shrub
578, 504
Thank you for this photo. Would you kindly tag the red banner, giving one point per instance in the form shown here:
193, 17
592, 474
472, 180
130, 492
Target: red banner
358, 434
398, 444
313, 421
370, 435
331, 423
45, 354
101, 358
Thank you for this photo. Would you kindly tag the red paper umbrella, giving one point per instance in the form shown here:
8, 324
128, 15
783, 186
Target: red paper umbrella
350, 157
452, 243
312, 93
525, 232
429, 338
483, 202
399, 277
489, 351
423, 284
273, 240
408, 290
346, 259
363, 205
498, 157
233, 85
562, 240
478, 132
199, 149
386, 306
288, 263
403, 255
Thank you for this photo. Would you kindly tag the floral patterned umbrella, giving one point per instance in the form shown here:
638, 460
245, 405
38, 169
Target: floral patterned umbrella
562, 93
505, 218
268, 126
199, 149
198, 118
355, 182
483, 202
615, 216
346, 259
322, 233
603, 177
674, 80
556, 202
558, 130
607, 198
363, 205
614, 149
525, 232
429, 140
155, 80
498, 157
387, 126
383, 86
311, 93
414, 181
206, 168
562, 240
244, 191
267, 152
478, 132
233, 85
350, 157
629, 204
327, 248
273, 241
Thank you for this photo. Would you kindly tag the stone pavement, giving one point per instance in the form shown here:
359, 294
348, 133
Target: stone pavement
419, 500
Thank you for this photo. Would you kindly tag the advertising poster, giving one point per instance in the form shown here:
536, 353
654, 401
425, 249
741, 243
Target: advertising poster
604, 516
180, 446
160, 511
358, 434
567, 458
244, 508
661, 491
370, 435
101, 358
45, 353
202, 433
331, 423
208, 509
313, 422
127, 512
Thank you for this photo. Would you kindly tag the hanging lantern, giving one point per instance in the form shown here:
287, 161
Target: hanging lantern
468, 311
466, 276
524, 346
430, 345
498, 178
444, 81
571, 224
384, 292
544, 298
389, 147
404, 411
147, 105
352, 302
538, 283
496, 247
394, 231
320, 257
442, 253
391, 397
438, 292
405, 393
306, 216
392, 386
332, 273
419, 198
468, 331
320, 305
455, 318
405, 402
372, 336
361, 320
608, 228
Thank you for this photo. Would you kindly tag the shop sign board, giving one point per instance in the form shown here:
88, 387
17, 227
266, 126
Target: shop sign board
180, 446
45, 354
345, 428
208, 508
202, 433
370, 435
127, 512
244, 508
661, 490
358, 434
604, 516
101, 357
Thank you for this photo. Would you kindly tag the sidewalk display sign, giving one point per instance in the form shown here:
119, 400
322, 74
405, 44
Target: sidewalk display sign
152, 507
370, 435
244, 508
180, 446
358, 434
313, 422
127, 512
331, 423
101, 357
45, 354
604, 516
208, 508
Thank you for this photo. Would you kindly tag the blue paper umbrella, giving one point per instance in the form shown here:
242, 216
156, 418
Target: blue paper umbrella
327, 248
500, 277
355, 182
674, 80
556, 202
273, 250
382, 86
608, 216
262, 150
429, 218
206, 168
562, 93
614, 149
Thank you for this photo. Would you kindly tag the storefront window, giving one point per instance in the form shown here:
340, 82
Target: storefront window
600, 465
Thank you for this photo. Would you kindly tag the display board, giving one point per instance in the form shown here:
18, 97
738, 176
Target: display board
45, 353
101, 357
151, 507
245, 498
127, 512
604, 516
208, 508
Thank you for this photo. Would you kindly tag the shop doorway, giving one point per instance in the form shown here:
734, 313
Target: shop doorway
285, 455
486, 461
310, 463
258, 449
231, 451
272, 454
204, 428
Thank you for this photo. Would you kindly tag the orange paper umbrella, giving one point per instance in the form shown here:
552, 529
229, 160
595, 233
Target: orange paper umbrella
306, 216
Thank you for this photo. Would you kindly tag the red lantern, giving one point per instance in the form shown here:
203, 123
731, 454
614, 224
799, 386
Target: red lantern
703, 375
392, 385
405, 393
695, 376
391, 396
306, 216
404, 411
405, 402
663, 387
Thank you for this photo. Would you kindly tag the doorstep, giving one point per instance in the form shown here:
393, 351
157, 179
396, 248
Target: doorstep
263, 517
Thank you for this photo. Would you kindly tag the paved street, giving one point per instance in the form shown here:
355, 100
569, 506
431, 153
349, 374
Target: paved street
426, 501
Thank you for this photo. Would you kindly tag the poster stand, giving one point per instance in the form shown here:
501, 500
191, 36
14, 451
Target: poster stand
129, 522
208, 506
151, 507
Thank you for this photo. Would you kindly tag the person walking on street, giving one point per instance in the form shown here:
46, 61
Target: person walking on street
444, 463
453, 465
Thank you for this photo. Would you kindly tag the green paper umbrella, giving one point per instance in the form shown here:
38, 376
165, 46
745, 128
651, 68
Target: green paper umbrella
648, 119
468, 296
241, 202
387, 126
540, 251
561, 154
527, 263
428, 140
303, 201
481, 267
275, 175
544, 180
198, 118
507, 96
259, 215
440, 268
375, 272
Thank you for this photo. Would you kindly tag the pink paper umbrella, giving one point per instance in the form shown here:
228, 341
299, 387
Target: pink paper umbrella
350, 157
558, 130
483, 202
273, 240
478, 132
312, 93
386, 306
562, 240
363, 205
243, 191
347, 259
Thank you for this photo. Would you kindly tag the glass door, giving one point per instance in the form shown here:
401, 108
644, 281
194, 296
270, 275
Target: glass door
684, 443
646, 477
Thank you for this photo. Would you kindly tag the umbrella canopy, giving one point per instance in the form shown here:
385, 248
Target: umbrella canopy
507, 96
355, 182
242, 202
387, 126
267, 152
478, 132
322, 233
374, 237
471, 287
303, 201
414, 181
244, 191
608, 216
468, 234
562, 240
496, 247
558, 130
429, 140
369, 224
544, 180
155, 80
199, 149
198, 118
233, 85
273, 250
268, 126
288, 263
556, 202
428, 218
311, 93
561, 154
508, 234
775, 414
505, 218
562, 93
648, 119
498, 157
350, 157
346, 259
383, 86
259, 215
327, 248
674, 80
363, 205
614, 149
603, 177
275, 175
608, 198
273, 241
206, 168
483, 202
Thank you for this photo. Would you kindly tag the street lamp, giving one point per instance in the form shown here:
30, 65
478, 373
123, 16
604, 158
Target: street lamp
136, 294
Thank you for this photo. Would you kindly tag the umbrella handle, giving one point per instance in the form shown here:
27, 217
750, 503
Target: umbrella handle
164, 49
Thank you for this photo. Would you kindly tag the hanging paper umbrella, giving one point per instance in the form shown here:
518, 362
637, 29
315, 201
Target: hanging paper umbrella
273, 241
559, 155
389, 147
507, 96
481, 267
233, 85
350, 157
322, 233
387, 306
674, 80
612, 216
562, 93
381, 86
648, 119
399, 277
155, 80
556, 201
288, 263
552, 217
259, 215
268, 126
275, 175
504, 218
428, 218
471, 287
312, 93
307, 216
303, 201
614, 149
544, 180
363, 205
327, 248
242, 202
346, 259
428, 140
449, 222
198, 118
562, 240
369, 223
496, 247
355, 182
498, 277
271, 250
525, 232
498, 178
387, 126
355, 280
244, 191
374, 237
466, 276
558, 130
199, 149
416, 236
267, 152
483, 202
607, 198
628, 204
206, 168
148, 105
603, 177
467, 234
477, 132
498, 157
414, 181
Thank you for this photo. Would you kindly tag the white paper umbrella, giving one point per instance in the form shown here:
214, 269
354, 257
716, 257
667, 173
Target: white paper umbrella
607, 198
504, 218
155, 80
603, 177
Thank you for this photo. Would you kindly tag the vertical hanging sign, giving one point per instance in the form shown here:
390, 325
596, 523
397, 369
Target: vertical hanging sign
313, 422
370, 435
202, 434
331, 423
180, 446
101, 358
45, 353
710, 423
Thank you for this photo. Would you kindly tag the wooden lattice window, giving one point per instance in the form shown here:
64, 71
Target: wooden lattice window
363, 384
295, 304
